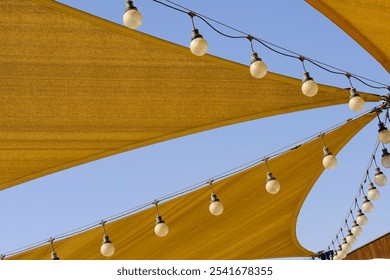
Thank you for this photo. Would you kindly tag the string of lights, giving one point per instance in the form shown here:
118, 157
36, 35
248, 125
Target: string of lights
216, 207
258, 69
360, 219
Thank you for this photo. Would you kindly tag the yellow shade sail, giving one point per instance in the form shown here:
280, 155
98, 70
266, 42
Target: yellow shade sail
365, 21
255, 224
76, 88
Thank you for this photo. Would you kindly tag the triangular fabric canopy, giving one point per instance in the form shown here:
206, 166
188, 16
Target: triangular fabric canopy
77, 88
255, 224
365, 21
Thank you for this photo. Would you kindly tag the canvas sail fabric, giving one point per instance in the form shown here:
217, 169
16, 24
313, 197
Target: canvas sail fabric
77, 88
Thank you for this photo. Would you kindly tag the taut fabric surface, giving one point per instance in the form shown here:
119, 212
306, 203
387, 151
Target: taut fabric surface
76, 88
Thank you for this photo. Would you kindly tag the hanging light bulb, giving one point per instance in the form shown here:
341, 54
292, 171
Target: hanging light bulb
383, 133
216, 206
356, 229
335, 256
329, 161
340, 253
107, 249
132, 18
385, 158
272, 185
356, 102
380, 178
258, 68
54, 255
309, 86
367, 206
198, 46
161, 229
373, 194
351, 239
346, 247
361, 219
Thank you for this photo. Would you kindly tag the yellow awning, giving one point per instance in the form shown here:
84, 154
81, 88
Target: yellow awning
76, 88
367, 22
254, 225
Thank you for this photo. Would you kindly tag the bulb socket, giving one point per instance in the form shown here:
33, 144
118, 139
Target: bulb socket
130, 6
54, 256
306, 77
159, 220
255, 57
327, 152
195, 34
214, 198
353, 93
382, 127
106, 239
365, 199
378, 171
372, 187
270, 177
385, 152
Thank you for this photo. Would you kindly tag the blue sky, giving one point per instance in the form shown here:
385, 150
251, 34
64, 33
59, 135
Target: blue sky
66, 200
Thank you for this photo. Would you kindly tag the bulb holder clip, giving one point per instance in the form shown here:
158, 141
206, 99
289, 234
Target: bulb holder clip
106, 239
270, 177
327, 152
159, 220
195, 34
255, 57
214, 198
130, 6
306, 77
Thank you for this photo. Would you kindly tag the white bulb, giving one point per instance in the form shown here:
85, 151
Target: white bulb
356, 230
107, 249
199, 46
356, 103
351, 239
384, 136
310, 88
258, 69
132, 19
373, 194
341, 254
380, 179
272, 186
362, 219
368, 207
336, 257
161, 229
346, 248
216, 208
329, 162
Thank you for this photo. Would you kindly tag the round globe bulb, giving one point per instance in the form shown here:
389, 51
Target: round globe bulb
216, 208
107, 249
132, 19
341, 254
258, 69
356, 103
385, 158
161, 229
368, 207
361, 219
199, 46
272, 186
351, 239
356, 230
346, 248
384, 136
309, 88
380, 179
329, 162
373, 194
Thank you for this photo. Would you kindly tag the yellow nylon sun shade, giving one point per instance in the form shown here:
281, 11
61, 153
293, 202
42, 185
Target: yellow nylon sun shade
76, 88
255, 224
367, 22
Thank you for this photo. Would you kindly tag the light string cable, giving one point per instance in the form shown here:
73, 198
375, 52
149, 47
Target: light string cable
360, 191
186, 190
271, 46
